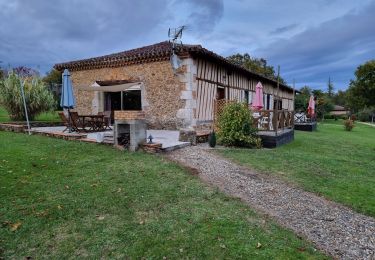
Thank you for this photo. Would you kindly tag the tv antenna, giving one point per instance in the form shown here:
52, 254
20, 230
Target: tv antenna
174, 35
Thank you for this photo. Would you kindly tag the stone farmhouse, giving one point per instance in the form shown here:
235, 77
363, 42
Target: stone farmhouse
170, 99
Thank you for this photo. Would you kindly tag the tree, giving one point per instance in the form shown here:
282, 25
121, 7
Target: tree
331, 89
323, 103
340, 98
301, 101
25, 72
53, 77
256, 65
38, 98
53, 81
361, 92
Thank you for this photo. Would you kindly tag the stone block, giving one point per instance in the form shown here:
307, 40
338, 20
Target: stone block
152, 148
187, 94
188, 135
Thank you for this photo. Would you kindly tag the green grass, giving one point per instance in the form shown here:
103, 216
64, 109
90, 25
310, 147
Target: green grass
77, 200
47, 116
3, 115
337, 164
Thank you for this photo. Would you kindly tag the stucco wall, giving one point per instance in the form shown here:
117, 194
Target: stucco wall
161, 91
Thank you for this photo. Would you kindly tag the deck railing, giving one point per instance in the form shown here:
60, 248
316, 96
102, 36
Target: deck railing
273, 120
302, 118
264, 120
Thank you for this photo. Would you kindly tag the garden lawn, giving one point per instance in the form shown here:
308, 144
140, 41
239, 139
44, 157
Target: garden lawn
62, 199
337, 164
46, 116
3, 115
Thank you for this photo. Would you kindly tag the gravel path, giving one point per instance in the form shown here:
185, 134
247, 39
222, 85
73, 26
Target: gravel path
333, 228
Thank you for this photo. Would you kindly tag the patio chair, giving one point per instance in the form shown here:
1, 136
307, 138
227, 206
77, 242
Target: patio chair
97, 123
64, 120
76, 123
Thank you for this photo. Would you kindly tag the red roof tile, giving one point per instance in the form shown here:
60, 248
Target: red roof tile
156, 52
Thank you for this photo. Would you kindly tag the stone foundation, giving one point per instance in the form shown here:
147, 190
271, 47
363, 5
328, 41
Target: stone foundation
152, 148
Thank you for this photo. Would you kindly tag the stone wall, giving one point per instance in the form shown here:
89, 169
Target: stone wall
161, 91
128, 115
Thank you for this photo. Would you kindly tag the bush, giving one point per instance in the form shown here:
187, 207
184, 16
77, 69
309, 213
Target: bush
235, 127
365, 114
348, 124
38, 98
343, 117
329, 116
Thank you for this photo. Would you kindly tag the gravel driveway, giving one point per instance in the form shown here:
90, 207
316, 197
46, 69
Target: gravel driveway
333, 228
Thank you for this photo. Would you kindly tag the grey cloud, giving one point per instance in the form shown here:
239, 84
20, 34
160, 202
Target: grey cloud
336, 46
284, 29
44, 32
205, 16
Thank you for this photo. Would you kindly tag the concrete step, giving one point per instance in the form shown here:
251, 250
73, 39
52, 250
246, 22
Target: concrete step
175, 147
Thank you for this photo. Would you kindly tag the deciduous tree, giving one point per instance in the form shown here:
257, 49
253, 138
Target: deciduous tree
257, 65
361, 92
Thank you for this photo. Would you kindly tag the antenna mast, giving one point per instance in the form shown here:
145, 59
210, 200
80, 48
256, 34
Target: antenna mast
175, 34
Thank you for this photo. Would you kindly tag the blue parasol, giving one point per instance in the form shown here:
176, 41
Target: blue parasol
67, 96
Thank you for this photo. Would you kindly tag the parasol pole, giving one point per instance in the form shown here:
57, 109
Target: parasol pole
24, 106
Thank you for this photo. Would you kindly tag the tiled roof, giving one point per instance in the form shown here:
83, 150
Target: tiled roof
113, 82
338, 108
156, 52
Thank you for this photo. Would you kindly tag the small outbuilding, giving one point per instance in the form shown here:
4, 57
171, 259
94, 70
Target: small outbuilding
339, 111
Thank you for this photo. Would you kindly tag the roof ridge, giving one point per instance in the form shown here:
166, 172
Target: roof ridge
155, 52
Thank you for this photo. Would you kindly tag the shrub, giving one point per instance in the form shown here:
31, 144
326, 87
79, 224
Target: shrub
348, 124
329, 116
343, 117
365, 114
38, 98
212, 139
235, 127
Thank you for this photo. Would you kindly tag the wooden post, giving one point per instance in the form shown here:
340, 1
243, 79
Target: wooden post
276, 111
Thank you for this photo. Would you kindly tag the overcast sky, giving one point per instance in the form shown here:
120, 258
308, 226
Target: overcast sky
310, 40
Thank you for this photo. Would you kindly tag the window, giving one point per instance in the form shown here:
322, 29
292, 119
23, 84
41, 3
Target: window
247, 97
268, 101
277, 104
132, 100
220, 93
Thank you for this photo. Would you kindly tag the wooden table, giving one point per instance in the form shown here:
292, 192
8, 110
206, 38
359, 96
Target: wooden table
96, 118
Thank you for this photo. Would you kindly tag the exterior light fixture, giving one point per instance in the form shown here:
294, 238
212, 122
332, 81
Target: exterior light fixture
150, 139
